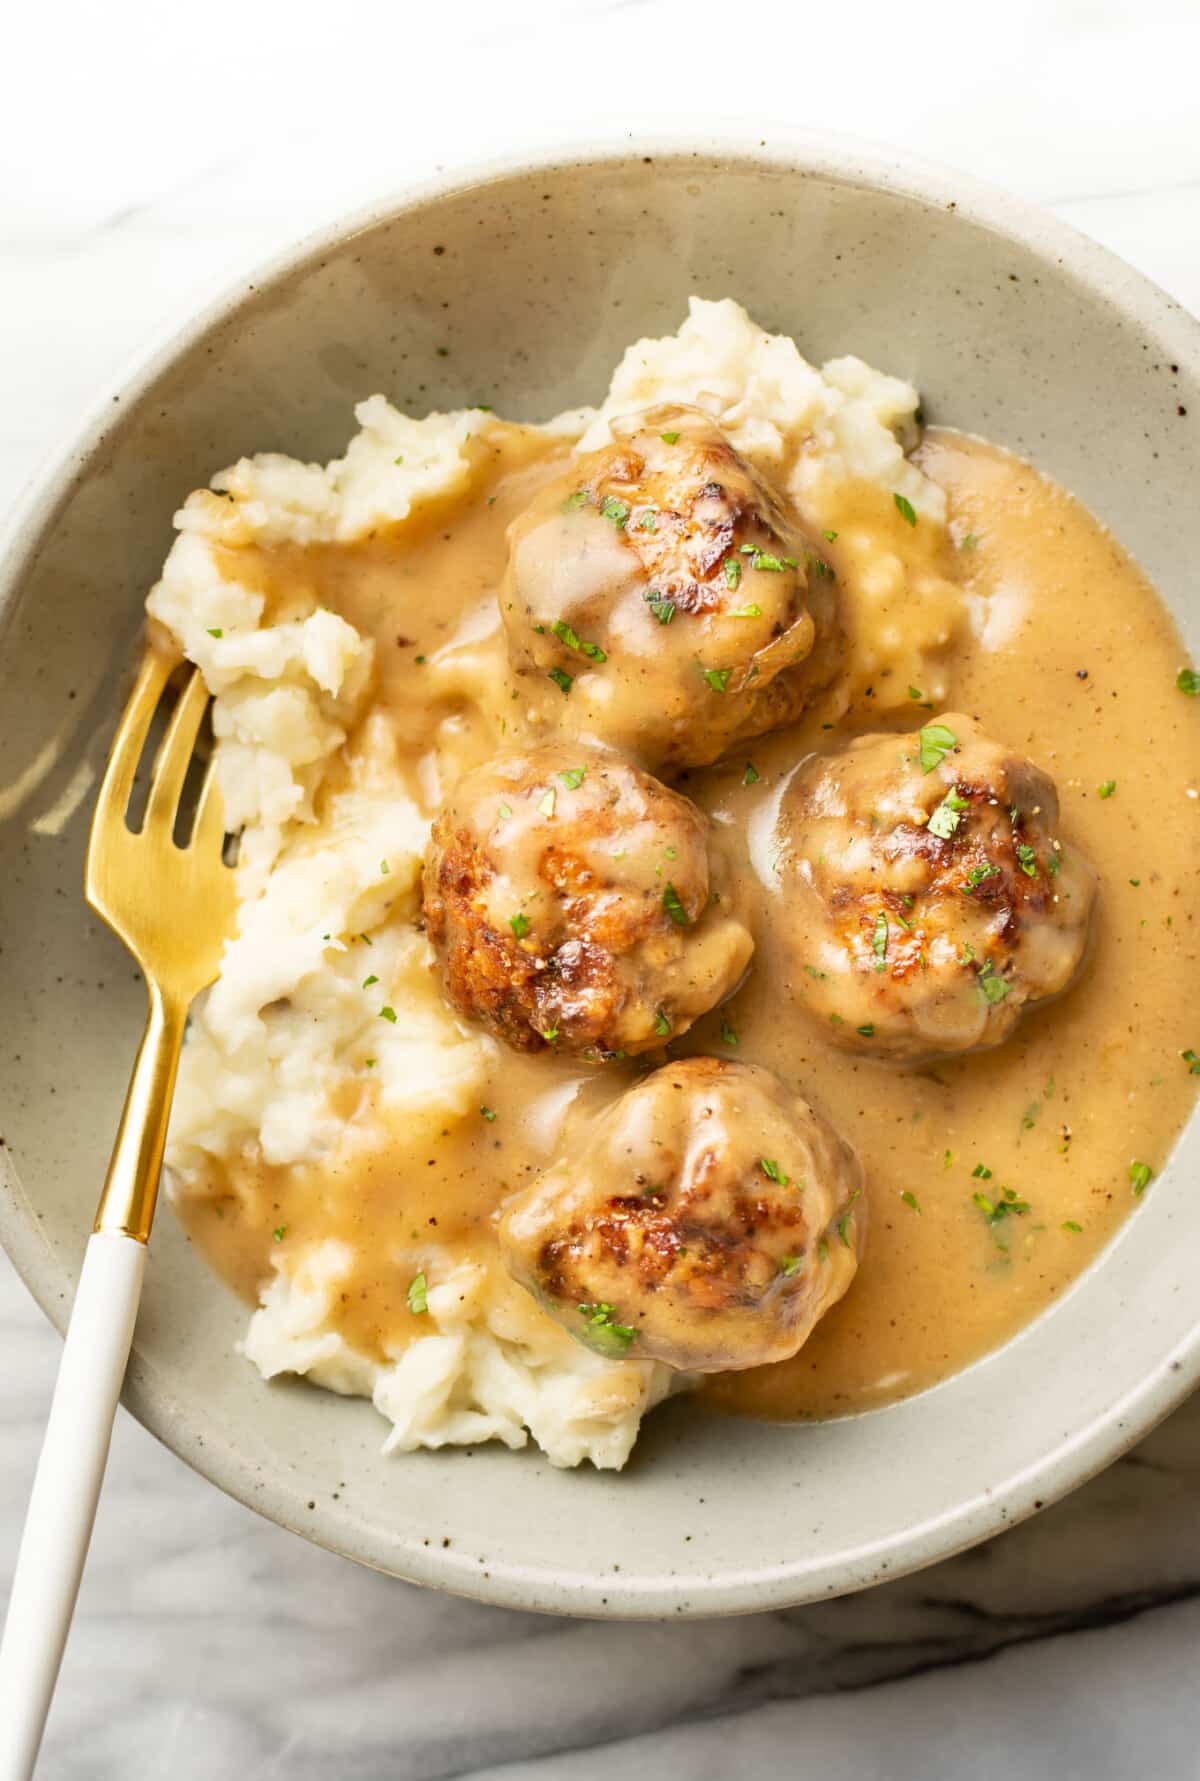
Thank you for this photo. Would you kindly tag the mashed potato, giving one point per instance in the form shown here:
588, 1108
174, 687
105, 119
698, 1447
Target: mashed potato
332, 840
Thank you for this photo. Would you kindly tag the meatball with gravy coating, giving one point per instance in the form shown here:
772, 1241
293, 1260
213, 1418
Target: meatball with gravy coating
578, 904
659, 599
710, 1221
926, 896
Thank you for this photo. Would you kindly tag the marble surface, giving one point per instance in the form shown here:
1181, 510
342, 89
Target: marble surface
148, 153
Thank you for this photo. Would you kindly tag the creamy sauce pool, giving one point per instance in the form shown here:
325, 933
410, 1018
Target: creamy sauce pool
1070, 658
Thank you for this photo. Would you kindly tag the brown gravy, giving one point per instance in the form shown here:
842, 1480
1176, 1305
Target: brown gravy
1075, 666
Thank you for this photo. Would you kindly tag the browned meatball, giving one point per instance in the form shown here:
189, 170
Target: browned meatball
708, 1223
659, 598
577, 903
927, 897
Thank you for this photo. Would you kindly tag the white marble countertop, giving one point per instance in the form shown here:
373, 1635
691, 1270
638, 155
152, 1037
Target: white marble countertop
148, 153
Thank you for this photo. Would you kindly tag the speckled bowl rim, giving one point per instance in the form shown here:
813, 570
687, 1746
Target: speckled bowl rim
1070, 1461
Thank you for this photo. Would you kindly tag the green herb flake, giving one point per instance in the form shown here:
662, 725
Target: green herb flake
717, 678
823, 1250
1140, 1177
669, 438
489, 1113
1192, 1061
674, 907
616, 511
662, 1023
970, 542
946, 818
418, 1295
910, 1199
648, 521
1070, 1224
603, 1332
905, 509
519, 923
1027, 859
867, 1031
662, 608
751, 611
564, 682
574, 501
384, 868
733, 572
573, 778
505, 812
981, 1173
773, 1172
829, 537
388, 1014
992, 987
936, 743
1108, 788
546, 803
844, 1221
751, 775
879, 940
368, 981
279, 1233
947, 1158
728, 1036
791, 1264
1188, 681
215, 631
979, 875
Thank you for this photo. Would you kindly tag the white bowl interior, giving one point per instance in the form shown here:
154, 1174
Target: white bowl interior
533, 281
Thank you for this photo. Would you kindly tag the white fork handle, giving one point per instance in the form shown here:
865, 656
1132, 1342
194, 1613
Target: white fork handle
62, 1508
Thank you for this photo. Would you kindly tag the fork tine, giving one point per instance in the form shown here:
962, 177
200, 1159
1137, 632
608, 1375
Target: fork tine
112, 800
208, 830
175, 754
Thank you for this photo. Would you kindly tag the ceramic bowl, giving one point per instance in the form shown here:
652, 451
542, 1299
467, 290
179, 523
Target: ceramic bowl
535, 276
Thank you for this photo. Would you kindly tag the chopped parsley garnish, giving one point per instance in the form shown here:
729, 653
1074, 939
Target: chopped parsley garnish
215, 631
566, 634
773, 1172
1027, 859
829, 536
936, 743
519, 923
573, 778
879, 940
751, 611
751, 775
505, 812
669, 438
844, 1220
914, 692
981, 1173
648, 521
674, 907
563, 681
1188, 681
368, 981
992, 987
546, 804
764, 560
819, 566
1070, 1224
1054, 864
910, 1199
905, 509
662, 607
946, 818
389, 1014
970, 542
662, 1023
717, 678
1007, 1205
550, 1035
1192, 1061
418, 1295
279, 1233
790, 1265
867, 1030
366, 939
602, 1331
1108, 788
489, 1113
728, 1036
1140, 1177
733, 572
616, 511
979, 875
823, 1250
384, 868
574, 501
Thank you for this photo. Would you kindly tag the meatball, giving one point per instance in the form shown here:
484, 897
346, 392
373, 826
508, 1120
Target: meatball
709, 1222
659, 599
927, 898
578, 904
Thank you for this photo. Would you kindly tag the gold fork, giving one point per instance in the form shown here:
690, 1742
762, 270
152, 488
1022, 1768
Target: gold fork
173, 906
